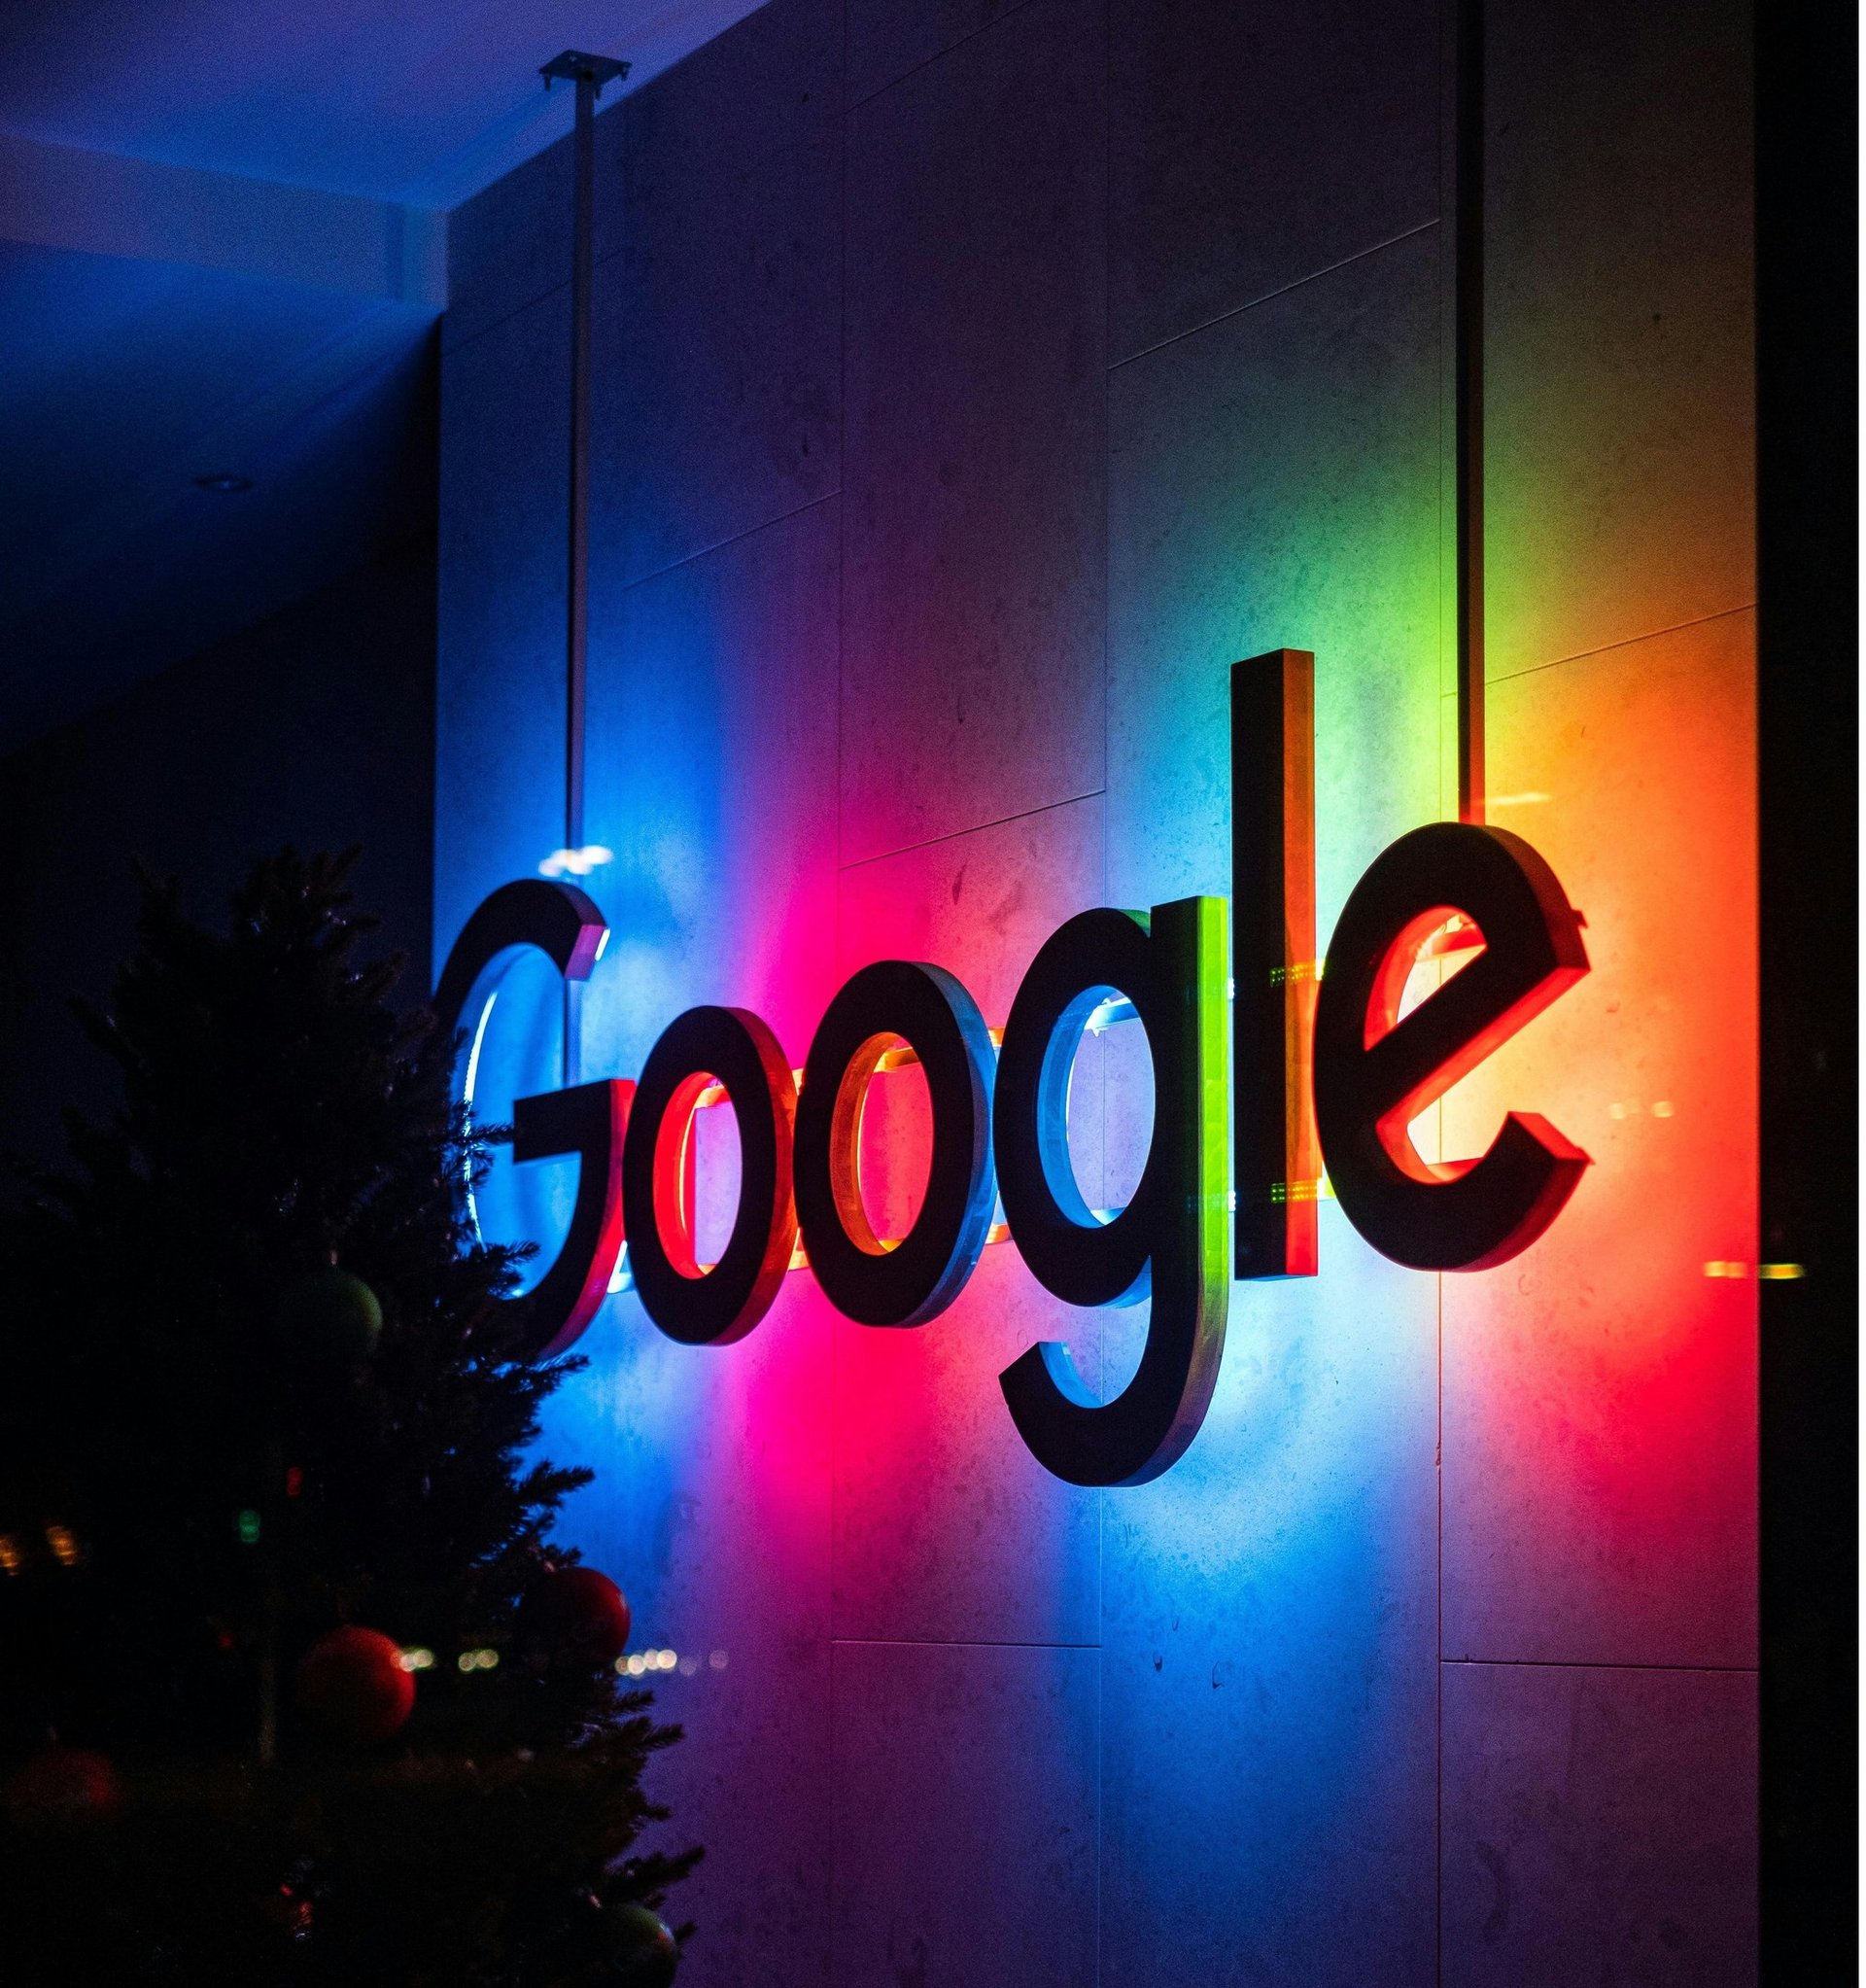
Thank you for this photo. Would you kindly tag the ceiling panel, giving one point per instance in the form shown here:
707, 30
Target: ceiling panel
252, 312
416, 100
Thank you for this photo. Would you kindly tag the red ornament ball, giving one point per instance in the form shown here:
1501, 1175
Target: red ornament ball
64, 1784
352, 1682
581, 1616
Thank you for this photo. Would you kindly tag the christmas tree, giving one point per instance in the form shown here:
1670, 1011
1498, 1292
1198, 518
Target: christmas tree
294, 1684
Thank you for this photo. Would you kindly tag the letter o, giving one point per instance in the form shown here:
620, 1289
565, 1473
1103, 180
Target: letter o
916, 1279
721, 1305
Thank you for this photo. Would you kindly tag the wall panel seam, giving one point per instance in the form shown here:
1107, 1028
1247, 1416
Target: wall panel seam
1597, 1663
449, 349
1009, 13
1270, 296
1580, 655
720, 545
1093, 794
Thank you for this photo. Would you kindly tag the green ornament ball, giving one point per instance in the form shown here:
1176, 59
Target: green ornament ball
643, 1952
330, 1318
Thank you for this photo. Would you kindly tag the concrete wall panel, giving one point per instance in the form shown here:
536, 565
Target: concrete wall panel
718, 328
718, 312
1269, 1639
510, 245
1619, 431
948, 1870
1275, 482
973, 566
1600, 1388
1250, 148
1599, 1828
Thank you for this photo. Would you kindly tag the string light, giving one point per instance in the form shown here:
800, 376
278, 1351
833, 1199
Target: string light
638, 1662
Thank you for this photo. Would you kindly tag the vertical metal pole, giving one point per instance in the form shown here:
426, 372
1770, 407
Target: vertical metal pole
578, 581
1468, 318
589, 73
576, 653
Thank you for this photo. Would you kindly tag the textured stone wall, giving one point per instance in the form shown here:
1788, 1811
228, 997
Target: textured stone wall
973, 385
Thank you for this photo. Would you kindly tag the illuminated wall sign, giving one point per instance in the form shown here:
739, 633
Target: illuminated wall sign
1296, 1033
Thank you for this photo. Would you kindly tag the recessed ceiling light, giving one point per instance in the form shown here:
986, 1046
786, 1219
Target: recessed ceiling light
223, 484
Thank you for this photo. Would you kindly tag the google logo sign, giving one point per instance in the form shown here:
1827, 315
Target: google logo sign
1270, 1063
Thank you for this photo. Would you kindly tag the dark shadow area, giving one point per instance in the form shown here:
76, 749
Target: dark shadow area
1807, 276
314, 727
